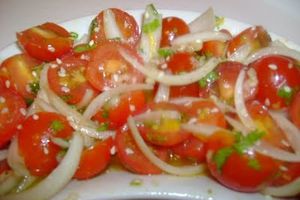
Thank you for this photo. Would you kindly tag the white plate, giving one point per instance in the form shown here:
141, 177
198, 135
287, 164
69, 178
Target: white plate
116, 184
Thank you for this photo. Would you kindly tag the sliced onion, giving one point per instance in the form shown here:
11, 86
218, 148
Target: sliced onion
224, 107
44, 105
163, 93
3, 154
8, 181
181, 171
157, 115
82, 40
237, 125
179, 79
58, 178
26, 183
241, 54
60, 142
275, 152
239, 102
111, 28
288, 190
86, 99
290, 130
199, 37
205, 22
199, 129
100, 100
277, 50
185, 100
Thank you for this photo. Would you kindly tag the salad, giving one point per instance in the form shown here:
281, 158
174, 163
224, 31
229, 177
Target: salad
166, 97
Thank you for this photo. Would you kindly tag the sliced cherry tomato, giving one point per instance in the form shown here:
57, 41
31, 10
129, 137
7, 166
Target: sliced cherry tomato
278, 78
94, 160
45, 42
21, 71
125, 22
35, 141
130, 155
246, 172
288, 173
107, 68
171, 28
294, 110
12, 114
257, 37
116, 111
228, 72
190, 90
68, 79
192, 149
4, 167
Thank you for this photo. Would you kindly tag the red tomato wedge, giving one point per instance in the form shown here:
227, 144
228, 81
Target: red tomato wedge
35, 141
94, 160
108, 69
22, 72
125, 22
68, 79
12, 114
294, 110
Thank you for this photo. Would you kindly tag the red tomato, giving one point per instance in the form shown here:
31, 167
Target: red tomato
12, 108
192, 149
275, 73
130, 155
35, 145
22, 72
242, 172
4, 167
127, 104
68, 79
190, 90
94, 160
45, 42
171, 28
294, 110
288, 173
107, 68
126, 23
228, 73
257, 37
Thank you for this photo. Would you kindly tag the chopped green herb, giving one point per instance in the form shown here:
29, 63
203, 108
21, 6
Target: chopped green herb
151, 26
74, 35
286, 93
93, 26
57, 125
209, 78
219, 21
103, 126
83, 47
28, 101
221, 156
34, 87
254, 164
165, 52
244, 142
136, 182
105, 114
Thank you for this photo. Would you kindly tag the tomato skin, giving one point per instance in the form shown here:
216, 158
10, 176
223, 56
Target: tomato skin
236, 172
94, 160
257, 37
114, 70
130, 156
18, 69
190, 90
171, 28
126, 23
4, 167
45, 42
180, 62
11, 106
274, 72
294, 110
129, 104
35, 145
70, 75
290, 173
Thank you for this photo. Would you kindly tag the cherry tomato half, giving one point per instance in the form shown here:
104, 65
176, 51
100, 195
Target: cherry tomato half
294, 110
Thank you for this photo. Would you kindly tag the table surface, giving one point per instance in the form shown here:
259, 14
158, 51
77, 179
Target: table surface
281, 17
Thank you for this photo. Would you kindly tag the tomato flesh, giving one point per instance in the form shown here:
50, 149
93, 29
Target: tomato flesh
294, 110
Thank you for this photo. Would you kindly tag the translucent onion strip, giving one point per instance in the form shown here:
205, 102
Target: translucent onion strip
178, 79
86, 99
290, 130
111, 28
239, 102
100, 100
205, 22
224, 107
157, 115
185, 100
241, 54
8, 181
3, 154
288, 190
58, 178
181, 171
163, 93
199, 129
238, 126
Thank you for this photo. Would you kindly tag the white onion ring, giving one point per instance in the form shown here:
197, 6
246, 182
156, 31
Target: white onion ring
237, 125
157, 115
241, 54
58, 178
100, 100
288, 190
3, 154
111, 28
205, 22
179, 79
86, 99
185, 100
181, 171
44, 105
290, 130
224, 107
199, 129
163, 93
239, 102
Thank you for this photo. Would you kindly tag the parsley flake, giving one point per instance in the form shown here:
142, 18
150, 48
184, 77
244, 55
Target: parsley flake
221, 156
209, 78
151, 26
57, 125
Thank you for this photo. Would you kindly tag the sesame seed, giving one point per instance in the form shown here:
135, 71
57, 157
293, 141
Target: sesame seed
53, 66
129, 151
46, 150
7, 83
284, 142
62, 72
58, 61
34, 74
132, 107
65, 89
113, 150
91, 43
23, 111
290, 65
267, 102
287, 88
51, 48
35, 117
115, 77
273, 66
2, 99
19, 127
96, 29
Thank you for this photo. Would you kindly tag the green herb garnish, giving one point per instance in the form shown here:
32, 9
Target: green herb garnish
165, 52
34, 87
74, 35
151, 26
221, 156
286, 93
254, 164
83, 48
57, 126
103, 126
209, 78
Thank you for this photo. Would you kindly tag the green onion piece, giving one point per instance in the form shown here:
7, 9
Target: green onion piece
83, 48
221, 156
151, 26
103, 126
74, 35
254, 164
164, 52
57, 125
245, 142
286, 93
34, 87
209, 78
